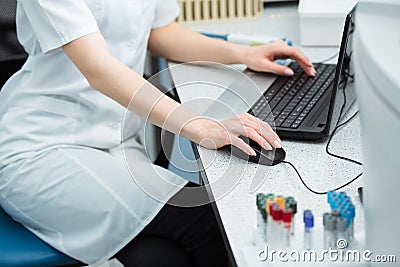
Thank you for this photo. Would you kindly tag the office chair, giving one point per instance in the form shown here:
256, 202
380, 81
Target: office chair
18, 246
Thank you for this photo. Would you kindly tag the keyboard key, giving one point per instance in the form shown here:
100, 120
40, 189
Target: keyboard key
286, 124
295, 125
278, 122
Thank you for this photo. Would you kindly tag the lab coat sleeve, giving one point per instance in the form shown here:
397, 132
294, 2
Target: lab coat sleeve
166, 12
58, 22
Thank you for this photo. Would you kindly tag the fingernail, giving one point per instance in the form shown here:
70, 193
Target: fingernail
252, 152
267, 146
288, 72
313, 71
277, 144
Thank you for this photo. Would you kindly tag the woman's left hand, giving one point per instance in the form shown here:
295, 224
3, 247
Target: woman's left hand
261, 58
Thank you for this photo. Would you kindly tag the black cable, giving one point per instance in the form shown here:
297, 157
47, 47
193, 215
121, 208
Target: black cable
349, 119
344, 83
337, 156
317, 192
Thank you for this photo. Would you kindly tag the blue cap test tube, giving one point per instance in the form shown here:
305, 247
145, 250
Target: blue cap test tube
342, 195
342, 206
305, 213
308, 220
334, 201
331, 195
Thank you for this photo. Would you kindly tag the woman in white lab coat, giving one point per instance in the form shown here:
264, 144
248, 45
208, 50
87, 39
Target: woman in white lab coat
62, 169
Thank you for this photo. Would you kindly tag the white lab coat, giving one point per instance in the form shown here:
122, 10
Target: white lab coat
63, 170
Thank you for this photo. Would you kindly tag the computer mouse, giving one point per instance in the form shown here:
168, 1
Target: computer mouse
263, 157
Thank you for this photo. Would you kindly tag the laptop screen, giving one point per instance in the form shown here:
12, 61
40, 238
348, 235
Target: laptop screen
343, 87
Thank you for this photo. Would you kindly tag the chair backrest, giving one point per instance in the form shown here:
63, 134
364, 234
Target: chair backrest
12, 54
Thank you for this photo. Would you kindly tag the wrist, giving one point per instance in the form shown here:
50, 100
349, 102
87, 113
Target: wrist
242, 53
196, 130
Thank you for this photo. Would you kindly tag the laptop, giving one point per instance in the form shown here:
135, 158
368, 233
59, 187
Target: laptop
298, 107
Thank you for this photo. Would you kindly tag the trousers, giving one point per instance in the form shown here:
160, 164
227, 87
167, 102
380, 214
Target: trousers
180, 237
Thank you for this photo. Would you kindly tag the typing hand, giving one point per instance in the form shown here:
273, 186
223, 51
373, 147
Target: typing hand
261, 58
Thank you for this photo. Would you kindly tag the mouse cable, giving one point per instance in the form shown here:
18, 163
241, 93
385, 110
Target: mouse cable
318, 192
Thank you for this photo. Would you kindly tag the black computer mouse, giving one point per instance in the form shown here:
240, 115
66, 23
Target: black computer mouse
263, 157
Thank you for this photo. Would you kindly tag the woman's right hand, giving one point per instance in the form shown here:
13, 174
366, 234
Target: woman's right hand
214, 135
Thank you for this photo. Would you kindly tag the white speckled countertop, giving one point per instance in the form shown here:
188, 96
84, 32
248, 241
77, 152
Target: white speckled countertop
320, 171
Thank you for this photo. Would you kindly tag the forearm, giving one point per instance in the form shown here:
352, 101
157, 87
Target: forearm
109, 76
178, 43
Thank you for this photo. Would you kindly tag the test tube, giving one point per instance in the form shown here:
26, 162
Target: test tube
305, 213
259, 231
342, 195
259, 199
289, 199
329, 231
324, 217
346, 214
333, 202
335, 213
352, 210
269, 196
336, 204
271, 225
276, 225
331, 195
269, 202
341, 226
347, 201
287, 222
281, 201
293, 206
308, 226
270, 222
263, 231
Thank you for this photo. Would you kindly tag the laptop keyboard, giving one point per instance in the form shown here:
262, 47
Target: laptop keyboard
292, 98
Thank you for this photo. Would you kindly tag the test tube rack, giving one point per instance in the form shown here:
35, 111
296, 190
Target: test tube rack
218, 10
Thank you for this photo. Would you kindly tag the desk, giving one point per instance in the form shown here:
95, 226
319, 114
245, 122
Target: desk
321, 172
